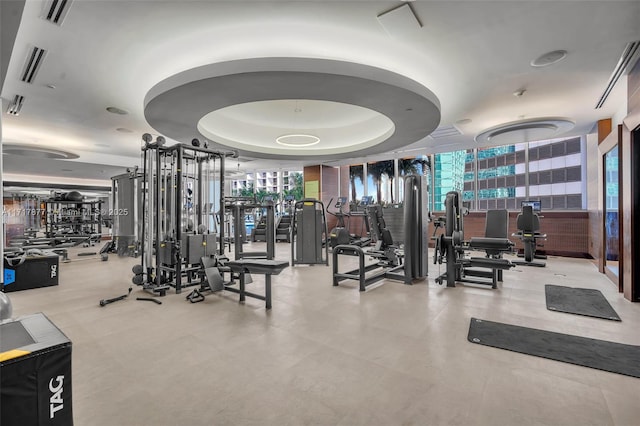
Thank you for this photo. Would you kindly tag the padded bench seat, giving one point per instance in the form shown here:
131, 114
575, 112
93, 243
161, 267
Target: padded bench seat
258, 266
265, 267
482, 243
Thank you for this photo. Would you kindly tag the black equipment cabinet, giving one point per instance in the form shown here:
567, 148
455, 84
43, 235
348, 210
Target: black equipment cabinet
35, 373
30, 272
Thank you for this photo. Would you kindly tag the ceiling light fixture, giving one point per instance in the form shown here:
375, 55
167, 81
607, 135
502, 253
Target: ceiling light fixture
297, 140
549, 58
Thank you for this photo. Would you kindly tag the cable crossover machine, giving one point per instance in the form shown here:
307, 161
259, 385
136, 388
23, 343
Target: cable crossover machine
179, 200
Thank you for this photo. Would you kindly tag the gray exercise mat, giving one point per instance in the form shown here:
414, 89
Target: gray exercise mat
579, 301
599, 354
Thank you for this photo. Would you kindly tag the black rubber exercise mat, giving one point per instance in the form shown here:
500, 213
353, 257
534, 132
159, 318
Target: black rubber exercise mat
600, 354
579, 301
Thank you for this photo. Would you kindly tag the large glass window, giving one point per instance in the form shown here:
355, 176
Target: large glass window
501, 177
555, 173
412, 166
448, 175
356, 182
380, 177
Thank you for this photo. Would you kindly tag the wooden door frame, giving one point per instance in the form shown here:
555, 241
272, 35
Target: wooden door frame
610, 142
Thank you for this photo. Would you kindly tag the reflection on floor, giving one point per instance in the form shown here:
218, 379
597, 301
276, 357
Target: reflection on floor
331, 355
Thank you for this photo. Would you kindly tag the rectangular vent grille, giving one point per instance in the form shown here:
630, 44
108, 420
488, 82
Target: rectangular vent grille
16, 105
629, 52
445, 132
55, 11
32, 65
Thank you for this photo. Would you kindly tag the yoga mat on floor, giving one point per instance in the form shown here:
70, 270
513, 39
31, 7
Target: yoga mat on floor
600, 354
579, 301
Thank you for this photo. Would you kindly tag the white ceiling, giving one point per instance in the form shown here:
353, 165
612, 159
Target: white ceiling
471, 55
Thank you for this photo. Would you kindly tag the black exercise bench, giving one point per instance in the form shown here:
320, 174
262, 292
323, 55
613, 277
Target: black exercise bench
255, 266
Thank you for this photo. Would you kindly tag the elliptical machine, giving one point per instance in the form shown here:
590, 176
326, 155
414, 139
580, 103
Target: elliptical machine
339, 234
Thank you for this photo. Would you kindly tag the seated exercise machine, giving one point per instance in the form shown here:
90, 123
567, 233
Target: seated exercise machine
528, 223
403, 265
450, 247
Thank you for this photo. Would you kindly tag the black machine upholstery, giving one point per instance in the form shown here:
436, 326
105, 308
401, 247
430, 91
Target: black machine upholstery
497, 224
379, 227
528, 223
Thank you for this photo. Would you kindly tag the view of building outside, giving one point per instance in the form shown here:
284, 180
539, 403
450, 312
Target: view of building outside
550, 171
502, 177
279, 183
448, 175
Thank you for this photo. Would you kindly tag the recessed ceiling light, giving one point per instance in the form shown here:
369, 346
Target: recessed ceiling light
124, 130
297, 140
114, 110
51, 86
549, 58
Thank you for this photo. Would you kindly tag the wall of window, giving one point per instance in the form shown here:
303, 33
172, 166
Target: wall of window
380, 177
502, 177
272, 182
448, 175
420, 165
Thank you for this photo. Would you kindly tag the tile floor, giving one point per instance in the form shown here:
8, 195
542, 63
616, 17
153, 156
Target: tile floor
395, 355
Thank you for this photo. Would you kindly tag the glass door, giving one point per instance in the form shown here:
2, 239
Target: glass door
611, 204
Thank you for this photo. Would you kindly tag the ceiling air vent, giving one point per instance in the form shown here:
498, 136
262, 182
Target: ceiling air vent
629, 52
35, 57
445, 132
16, 105
533, 129
55, 11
